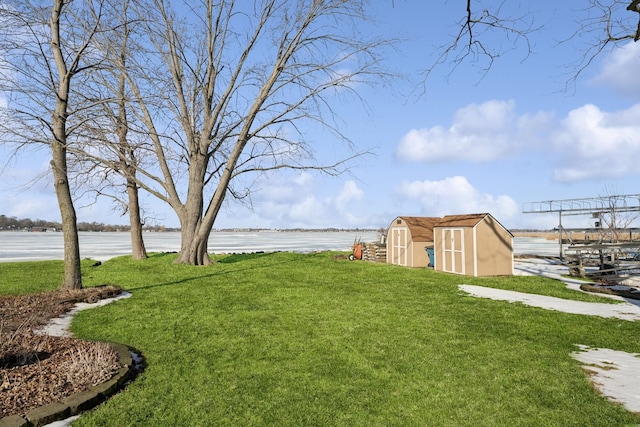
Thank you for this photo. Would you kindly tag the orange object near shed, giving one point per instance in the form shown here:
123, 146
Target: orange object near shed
356, 250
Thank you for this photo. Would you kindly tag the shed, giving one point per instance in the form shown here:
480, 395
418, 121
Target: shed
474, 245
407, 240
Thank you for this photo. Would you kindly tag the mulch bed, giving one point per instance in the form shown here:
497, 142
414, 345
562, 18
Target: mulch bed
35, 369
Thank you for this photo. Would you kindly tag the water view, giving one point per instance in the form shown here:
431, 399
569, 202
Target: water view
25, 246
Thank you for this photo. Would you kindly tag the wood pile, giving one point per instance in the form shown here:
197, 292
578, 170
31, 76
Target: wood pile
374, 252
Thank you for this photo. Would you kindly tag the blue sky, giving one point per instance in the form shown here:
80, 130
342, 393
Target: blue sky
473, 142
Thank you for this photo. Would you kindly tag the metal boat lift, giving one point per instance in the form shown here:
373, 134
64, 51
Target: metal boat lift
596, 207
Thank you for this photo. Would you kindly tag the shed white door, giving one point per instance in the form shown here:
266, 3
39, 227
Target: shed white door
399, 246
453, 250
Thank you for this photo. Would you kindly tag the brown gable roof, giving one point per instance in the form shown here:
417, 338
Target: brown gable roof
467, 220
421, 227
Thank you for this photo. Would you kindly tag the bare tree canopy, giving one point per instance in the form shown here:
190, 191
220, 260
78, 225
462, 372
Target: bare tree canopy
111, 124
188, 101
490, 29
223, 89
45, 49
485, 31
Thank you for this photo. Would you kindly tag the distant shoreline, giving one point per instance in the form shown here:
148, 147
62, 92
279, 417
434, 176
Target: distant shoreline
574, 235
125, 229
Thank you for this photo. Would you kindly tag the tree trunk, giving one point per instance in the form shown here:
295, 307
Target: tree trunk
72, 271
128, 159
138, 250
193, 245
196, 251
193, 242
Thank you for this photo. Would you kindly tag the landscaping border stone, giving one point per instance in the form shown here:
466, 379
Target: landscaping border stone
78, 402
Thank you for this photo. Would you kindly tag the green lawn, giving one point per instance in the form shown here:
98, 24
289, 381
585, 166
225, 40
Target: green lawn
306, 339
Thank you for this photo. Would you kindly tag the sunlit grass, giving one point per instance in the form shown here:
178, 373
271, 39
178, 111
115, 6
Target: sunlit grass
291, 339
33, 276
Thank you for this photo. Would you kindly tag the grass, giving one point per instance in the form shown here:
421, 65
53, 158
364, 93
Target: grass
33, 276
307, 339
29, 277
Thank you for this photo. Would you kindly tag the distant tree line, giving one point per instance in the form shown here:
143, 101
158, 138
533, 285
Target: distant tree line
14, 223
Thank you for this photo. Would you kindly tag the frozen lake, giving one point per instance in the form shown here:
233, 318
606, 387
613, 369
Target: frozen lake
24, 246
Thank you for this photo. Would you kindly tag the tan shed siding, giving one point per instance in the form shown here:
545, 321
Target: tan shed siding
398, 238
505, 261
487, 251
474, 251
469, 256
496, 257
437, 250
420, 257
486, 248
407, 238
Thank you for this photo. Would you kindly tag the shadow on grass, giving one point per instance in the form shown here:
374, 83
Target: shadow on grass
231, 259
221, 259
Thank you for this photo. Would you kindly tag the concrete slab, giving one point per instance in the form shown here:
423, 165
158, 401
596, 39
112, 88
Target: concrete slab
624, 311
616, 374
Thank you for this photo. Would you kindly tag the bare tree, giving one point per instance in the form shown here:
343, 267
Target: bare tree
45, 48
607, 24
107, 163
601, 24
224, 90
618, 213
481, 24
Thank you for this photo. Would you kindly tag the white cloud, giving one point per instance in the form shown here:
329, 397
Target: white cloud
25, 188
34, 208
594, 144
588, 144
350, 192
28, 199
455, 195
4, 112
306, 210
299, 201
281, 189
479, 133
620, 70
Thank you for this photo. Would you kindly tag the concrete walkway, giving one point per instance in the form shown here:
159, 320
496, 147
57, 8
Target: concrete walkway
616, 374
624, 310
553, 269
